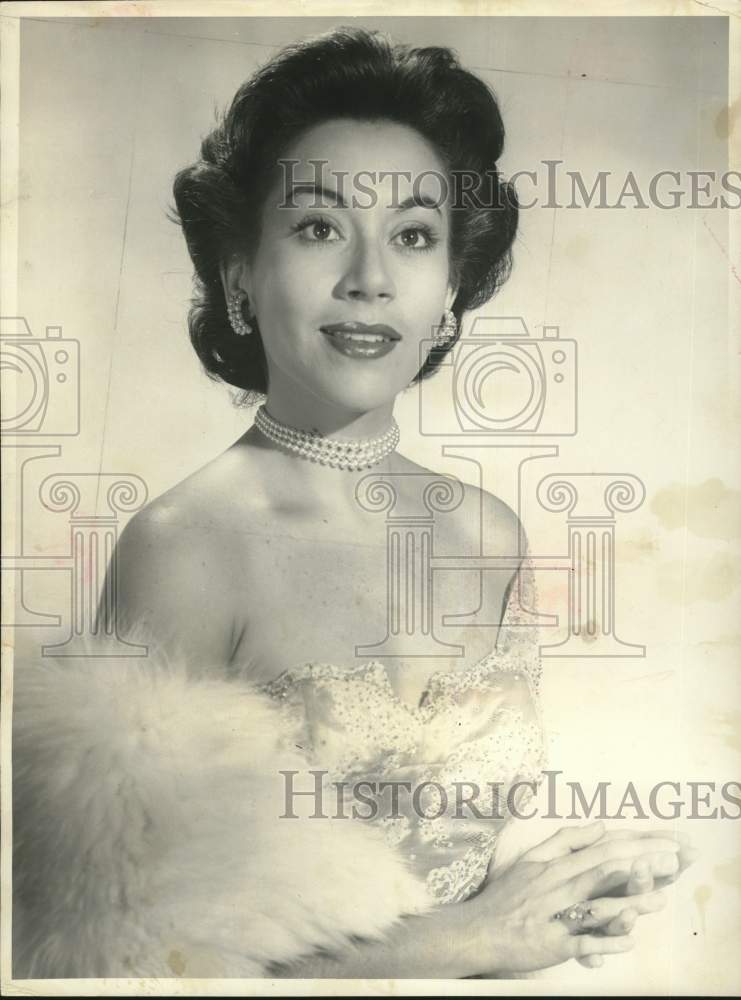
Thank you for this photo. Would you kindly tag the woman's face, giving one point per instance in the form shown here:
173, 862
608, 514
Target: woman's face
360, 240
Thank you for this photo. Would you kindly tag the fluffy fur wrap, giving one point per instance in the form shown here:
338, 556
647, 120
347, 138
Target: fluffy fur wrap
147, 837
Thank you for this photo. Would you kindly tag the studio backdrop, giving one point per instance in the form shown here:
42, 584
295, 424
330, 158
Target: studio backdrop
596, 394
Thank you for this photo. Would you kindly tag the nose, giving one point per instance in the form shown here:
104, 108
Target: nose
367, 276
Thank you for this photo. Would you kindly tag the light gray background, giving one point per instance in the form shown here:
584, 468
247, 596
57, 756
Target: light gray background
111, 108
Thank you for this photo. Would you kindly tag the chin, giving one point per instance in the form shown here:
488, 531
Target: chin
359, 390
361, 394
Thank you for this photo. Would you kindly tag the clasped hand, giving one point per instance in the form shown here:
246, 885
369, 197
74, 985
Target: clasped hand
620, 875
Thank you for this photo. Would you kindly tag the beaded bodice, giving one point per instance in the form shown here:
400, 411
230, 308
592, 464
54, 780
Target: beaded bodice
437, 776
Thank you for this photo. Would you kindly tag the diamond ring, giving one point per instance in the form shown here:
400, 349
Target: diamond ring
575, 915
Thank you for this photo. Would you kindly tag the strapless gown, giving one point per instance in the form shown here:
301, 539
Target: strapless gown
469, 753
147, 829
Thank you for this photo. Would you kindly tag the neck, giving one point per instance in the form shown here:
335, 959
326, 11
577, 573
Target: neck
307, 487
326, 418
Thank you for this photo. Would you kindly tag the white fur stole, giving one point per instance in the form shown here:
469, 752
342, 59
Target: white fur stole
147, 833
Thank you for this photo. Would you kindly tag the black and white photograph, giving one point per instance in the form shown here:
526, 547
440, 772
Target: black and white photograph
371, 549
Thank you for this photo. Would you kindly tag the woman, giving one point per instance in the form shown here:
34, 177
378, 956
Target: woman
155, 797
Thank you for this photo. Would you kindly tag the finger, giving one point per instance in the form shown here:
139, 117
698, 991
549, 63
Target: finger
566, 840
620, 850
660, 875
687, 853
598, 881
591, 961
605, 911
641, 879
623, 923
604, 914
583, 945
687, 856
664, 878
623, 833
663, 866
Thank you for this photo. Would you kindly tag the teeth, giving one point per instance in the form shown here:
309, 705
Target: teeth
370, 338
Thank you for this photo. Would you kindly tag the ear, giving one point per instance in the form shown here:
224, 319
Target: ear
451, 296
235, 275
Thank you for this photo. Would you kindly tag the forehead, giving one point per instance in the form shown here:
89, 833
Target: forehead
369, 150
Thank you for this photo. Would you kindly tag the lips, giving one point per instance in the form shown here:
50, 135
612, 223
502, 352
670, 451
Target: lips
361, 341
362, 333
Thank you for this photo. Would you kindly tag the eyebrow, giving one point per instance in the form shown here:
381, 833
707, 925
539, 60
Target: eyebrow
306, 187
317, 190
419, 201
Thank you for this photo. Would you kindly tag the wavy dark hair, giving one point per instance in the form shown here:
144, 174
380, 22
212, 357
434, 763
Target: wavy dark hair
346, 73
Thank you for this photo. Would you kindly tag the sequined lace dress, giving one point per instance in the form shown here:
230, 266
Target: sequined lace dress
451, 761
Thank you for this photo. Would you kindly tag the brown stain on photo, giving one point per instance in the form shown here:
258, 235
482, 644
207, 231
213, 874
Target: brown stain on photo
732, 639
725, 121
728, 727
702, 896
176, 962
711, 579
639, 547
710, 509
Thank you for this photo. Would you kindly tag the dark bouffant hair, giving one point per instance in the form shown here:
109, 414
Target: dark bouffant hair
347, 73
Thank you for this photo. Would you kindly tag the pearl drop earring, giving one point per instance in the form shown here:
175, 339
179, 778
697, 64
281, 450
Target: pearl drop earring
442, 335
236, 317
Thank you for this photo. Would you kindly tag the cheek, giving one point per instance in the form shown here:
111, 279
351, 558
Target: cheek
424, 286
279, 292
293, 284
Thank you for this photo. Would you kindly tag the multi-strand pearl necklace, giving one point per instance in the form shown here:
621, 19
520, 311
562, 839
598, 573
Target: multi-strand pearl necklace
351, 454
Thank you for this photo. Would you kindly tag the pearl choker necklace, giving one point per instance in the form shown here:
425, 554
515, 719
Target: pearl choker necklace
352, 454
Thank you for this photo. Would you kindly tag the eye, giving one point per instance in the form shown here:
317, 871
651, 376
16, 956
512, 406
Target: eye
416, 238
317, 230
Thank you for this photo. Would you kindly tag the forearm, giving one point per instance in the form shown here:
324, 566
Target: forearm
432, 946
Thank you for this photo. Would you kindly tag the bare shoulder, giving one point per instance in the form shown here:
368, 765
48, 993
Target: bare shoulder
171, 570
202, 511
178, 523
481, 514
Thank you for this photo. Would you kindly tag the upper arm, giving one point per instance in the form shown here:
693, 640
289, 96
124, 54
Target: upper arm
519, 640
165, 579
505, 537
503, 530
